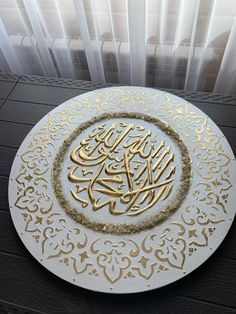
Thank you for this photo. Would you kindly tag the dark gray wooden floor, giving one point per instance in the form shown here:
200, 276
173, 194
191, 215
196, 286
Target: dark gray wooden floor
25, 286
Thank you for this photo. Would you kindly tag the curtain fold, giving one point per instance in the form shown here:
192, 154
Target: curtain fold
137, 41
178, 44
228, 66
92, 47
41, 33
8, 51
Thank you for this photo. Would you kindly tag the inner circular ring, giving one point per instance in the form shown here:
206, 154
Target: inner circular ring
123, 228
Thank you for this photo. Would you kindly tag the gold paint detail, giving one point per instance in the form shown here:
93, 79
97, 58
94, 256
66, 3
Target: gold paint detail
133, 196
154, 252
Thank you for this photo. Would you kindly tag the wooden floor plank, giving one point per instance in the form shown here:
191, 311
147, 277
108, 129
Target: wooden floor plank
230, 134
213, 281
10, 308
10, 241
43, 94
7, 156
3, 193
226, 249
13, 134
35, 287
219, 113
28, 113
5, 88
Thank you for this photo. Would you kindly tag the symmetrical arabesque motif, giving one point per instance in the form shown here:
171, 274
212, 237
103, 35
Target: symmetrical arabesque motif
167, 248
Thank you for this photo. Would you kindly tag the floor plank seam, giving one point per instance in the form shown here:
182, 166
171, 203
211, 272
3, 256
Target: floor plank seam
4, 210
4, 175
5, 99
67, 87
33, 103
9, 146
17, 254
209, 102
24, 123
36, 103
207, 302
229, 258
6, 303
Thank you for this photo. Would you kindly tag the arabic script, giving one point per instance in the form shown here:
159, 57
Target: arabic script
122, 167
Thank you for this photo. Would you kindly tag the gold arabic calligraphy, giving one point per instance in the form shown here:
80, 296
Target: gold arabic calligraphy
122, 167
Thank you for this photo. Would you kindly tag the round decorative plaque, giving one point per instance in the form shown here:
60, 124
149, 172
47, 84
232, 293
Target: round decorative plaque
123, 189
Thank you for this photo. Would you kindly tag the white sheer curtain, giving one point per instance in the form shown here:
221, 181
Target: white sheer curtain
185, 44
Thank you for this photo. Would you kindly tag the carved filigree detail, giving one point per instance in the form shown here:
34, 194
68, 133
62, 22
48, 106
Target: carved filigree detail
118, 260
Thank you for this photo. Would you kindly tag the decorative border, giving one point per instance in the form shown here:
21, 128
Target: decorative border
9, 77
90, 86
116, 259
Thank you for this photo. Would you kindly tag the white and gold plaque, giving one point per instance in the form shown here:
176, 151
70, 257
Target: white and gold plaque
123, 189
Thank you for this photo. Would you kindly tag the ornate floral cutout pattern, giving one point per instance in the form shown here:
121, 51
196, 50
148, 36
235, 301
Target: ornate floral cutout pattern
166, 248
